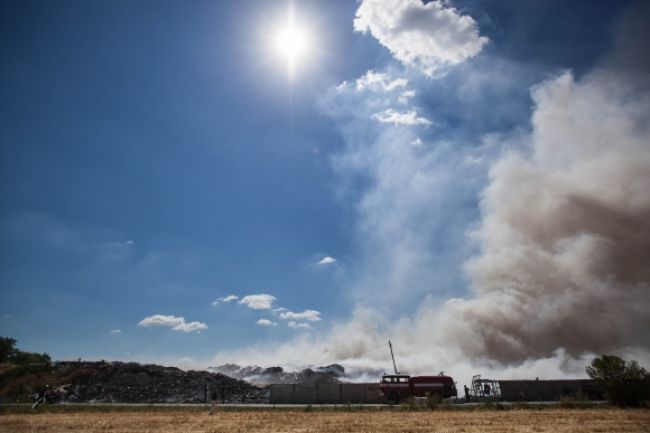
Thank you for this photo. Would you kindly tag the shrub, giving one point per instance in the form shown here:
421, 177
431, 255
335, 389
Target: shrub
624, 383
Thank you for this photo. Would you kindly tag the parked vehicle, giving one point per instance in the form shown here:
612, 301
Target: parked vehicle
399, 386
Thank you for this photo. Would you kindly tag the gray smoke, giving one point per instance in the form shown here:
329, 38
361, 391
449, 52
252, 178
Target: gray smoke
565, 233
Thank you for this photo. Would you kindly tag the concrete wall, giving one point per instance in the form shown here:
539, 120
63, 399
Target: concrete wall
325, 393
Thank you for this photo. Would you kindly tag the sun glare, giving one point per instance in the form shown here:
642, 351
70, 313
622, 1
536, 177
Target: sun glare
292, 44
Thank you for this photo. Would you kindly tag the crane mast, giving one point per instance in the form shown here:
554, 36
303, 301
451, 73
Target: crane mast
392, 356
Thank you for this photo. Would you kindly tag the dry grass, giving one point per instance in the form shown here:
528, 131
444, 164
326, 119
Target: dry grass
515, 421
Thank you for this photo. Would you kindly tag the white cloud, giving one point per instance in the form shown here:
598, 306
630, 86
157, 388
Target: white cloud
260, 301
115, 331
429, 36
190, 327
327, 260
266, 322
406, 118
225, 299
377, 81
310, 315
405, 96
176, 323
161, 320
298, 325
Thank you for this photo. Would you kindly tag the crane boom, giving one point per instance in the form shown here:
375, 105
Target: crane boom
392, 356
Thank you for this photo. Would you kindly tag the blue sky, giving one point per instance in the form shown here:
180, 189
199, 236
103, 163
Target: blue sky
156, 156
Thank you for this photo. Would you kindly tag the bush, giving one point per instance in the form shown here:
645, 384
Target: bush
624, 383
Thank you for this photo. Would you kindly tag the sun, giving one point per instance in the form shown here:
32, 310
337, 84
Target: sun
292, 43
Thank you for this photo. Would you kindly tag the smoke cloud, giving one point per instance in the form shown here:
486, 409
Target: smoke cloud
562, 239
565, 234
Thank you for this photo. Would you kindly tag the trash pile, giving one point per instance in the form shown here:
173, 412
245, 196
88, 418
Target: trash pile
263, 376
120, 382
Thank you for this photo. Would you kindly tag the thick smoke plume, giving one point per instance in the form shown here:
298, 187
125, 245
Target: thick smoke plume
565, 234
563, 263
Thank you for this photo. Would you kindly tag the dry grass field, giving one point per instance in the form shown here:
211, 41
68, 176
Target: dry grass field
468, 421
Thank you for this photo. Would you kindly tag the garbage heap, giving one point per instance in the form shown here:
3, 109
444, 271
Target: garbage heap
332, 373
120, 382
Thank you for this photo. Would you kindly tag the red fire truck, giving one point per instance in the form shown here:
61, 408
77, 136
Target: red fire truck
396, 387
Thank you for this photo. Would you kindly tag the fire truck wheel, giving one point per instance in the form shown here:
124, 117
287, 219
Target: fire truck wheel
394, 397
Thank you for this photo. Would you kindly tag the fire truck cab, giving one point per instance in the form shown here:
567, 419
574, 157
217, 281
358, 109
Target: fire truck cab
396, 387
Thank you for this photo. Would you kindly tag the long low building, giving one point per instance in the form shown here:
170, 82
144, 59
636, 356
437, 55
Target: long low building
325, 393
504, 390
549, 390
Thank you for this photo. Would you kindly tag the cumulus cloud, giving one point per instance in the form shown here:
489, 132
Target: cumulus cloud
327, 260
190, 327
406, 96
225, 299
309, 315
378, 81
176, 323
428, 36
115, 331
408, 118
260, 301
298, 325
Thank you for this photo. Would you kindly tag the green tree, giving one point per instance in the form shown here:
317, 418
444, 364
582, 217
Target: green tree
7, 348
9, 353
624, 383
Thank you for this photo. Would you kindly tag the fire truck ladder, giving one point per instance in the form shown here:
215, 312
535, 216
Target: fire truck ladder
392, 356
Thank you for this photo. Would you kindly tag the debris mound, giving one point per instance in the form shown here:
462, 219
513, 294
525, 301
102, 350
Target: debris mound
121, 382
277, 375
